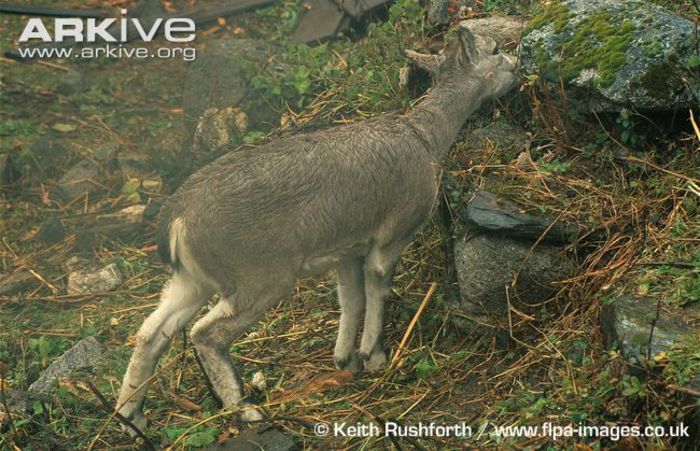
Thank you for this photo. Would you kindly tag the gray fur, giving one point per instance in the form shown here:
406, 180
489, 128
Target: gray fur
347, 198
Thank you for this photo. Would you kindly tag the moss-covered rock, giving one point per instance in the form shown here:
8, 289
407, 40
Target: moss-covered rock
628, 53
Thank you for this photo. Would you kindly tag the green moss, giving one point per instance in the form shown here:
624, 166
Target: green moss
555, 14
659, 80
597, 42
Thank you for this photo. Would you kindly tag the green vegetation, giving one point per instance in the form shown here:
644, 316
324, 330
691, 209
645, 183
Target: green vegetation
361, 75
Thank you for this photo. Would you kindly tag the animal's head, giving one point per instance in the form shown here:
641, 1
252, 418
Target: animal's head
469, 56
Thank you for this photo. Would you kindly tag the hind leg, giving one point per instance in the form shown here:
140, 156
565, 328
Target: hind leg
378, 271
213, 334
182, 297
351, 294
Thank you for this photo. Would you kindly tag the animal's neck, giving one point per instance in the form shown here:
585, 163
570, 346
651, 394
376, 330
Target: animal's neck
443, 111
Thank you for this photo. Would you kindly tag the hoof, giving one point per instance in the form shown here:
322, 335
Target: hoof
376, 362
251, 413
351, 363
138, 420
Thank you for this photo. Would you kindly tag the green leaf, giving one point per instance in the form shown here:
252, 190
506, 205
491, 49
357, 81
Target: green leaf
64, 128
174, 433
202, 438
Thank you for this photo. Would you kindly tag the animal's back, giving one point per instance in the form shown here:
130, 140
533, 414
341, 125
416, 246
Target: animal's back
307, 196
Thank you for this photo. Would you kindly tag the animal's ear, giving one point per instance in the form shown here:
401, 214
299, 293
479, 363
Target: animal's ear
467, 45
431, 63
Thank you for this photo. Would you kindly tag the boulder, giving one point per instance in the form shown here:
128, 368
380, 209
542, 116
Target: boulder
497, 245
218, 83
614, 54
84, 354
502, 29
487, 262
640, 328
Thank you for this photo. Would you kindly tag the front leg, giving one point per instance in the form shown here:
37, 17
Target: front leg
378, 272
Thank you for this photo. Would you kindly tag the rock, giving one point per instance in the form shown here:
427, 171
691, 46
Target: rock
217, 127
259, 381
439, 12
19, 403
92, 280
489, 212
15, 282
639, 329
219, 79
43, 158
615, 53
84, 354
502, 29
487, 262
79, 180
106, 151
125, 225
51, 230
320, 20
134, 165
265, 437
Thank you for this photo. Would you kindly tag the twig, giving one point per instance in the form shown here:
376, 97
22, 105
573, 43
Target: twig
686, 390
125, 421
413, 322
695, 124
684, 265
653, 325
659, 168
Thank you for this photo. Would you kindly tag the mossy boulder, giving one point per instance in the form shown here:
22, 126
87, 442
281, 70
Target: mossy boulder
615, 53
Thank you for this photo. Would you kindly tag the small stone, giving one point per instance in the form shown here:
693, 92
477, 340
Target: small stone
259, 381
640, 329
265, 437
51, 230
46, 157
84, 354
106, 151
15, 282
79, 180
90, 280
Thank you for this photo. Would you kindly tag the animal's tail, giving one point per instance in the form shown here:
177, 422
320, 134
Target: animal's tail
170, 239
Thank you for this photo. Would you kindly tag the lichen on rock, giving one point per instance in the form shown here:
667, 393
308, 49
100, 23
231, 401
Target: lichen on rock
628, 53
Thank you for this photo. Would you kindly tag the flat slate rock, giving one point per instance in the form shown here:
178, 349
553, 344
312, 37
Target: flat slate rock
641, 328
264, 437
490, 212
